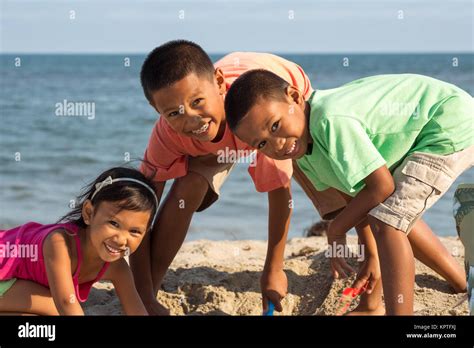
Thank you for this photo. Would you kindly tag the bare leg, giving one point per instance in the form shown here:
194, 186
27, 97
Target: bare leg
428, 249
16, 314
397, 265
140, 264
174, 217
369, 304
27, 297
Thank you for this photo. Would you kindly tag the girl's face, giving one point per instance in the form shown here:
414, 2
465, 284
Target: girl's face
114, 233
277, 128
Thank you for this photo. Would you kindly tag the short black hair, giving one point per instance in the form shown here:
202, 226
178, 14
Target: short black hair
171, 62
247, 89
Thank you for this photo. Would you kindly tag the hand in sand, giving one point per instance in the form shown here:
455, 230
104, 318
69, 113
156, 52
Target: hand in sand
368, 275
153, 307
339, 267
274, 286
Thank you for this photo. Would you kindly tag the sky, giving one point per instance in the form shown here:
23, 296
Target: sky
289, 26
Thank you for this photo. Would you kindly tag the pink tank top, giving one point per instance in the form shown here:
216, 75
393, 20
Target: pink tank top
21, 255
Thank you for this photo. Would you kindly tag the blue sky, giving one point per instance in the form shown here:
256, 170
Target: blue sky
117, 26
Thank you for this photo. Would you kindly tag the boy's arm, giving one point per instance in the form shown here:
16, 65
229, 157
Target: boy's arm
274, 282
369, 273
379, 185
121, 276
339, 266
363, 231
366, 238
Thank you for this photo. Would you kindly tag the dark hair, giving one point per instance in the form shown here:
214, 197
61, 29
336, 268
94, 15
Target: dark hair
172, 62
128, 194
247, 89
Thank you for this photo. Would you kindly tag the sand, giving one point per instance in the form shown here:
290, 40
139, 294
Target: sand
222, 278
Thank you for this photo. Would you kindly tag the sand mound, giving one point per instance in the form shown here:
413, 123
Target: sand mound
222, 278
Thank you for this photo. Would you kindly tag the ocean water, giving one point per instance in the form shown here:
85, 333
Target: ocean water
46, 159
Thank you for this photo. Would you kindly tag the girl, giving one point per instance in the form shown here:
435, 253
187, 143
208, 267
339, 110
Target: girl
49, 269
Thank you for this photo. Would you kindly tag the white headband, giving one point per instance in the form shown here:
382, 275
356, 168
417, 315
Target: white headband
109, 181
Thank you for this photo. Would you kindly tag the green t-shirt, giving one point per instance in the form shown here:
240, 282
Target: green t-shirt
379, 120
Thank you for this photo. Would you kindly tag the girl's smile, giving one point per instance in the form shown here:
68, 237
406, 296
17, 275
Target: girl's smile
115, 251
114, 233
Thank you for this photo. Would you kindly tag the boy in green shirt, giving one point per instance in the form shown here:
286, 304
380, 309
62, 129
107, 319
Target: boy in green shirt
393, 144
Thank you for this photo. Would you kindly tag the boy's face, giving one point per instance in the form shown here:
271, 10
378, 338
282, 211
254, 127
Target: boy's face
277, 128
194, 106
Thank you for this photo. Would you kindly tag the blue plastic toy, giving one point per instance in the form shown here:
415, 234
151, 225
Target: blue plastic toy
271, 308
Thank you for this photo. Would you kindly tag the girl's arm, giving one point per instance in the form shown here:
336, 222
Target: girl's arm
120, 275
57, 260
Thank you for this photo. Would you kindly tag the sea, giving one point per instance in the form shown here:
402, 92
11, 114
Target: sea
47, 157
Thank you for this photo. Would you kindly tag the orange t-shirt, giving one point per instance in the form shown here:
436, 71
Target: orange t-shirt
166, 156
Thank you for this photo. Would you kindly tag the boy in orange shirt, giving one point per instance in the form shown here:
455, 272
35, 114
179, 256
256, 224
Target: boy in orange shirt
187, 144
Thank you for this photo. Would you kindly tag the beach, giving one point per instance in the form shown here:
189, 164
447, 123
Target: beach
114, 121
222, 278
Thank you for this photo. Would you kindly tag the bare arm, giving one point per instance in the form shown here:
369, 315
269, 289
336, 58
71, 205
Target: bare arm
280, 208
120, 275
274, 283
363, 231
57, 259
379, 186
